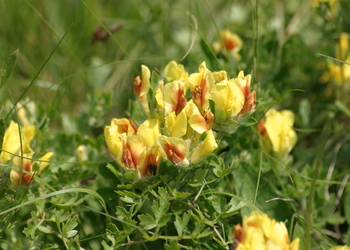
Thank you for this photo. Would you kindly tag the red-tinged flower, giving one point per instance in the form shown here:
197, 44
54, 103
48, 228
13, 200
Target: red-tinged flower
199, 122
249, 98
174, 97
229, 41
200, 85
174, 150
261, 232
138, 152
25, 178
124, 125
141, 87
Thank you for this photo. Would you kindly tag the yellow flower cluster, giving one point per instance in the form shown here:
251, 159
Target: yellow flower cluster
16, 146
182, 112
261, 232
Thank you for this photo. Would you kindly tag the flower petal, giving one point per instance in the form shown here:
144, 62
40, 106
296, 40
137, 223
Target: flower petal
205, 148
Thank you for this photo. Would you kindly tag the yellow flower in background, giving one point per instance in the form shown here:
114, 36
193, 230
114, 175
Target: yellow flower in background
141, 87
340, 248
28, 136
340, 72
18, 177
229, 41
261, 232
279, 130
11, 142
174, 71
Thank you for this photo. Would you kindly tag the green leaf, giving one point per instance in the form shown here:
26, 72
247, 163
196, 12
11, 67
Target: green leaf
164, 220
174, 245
181, 223
179, 195
45, 230
10, 65
147, 221
127, 193
342, 107
249, 121
155, 78
233, 207
219, 116
246, 179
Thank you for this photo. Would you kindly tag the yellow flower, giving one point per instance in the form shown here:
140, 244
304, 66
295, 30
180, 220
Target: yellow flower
174, 149
200, 85
174, 71
228, 98
28, 136
138, 152
230, 41
82, 153
174, 98
124, 125
176, 125
199, 122
11, 142
340, 248
279, 129
249, 98
261, 232
18, 177
141, 88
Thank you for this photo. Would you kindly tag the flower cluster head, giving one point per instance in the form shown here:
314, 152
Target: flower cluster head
184, 113
261, 232
277, 131
16, 147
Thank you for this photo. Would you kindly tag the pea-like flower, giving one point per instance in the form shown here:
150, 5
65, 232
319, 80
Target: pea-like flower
278, 129
261, 232
18, 176
12, 141
134, 148
229, 41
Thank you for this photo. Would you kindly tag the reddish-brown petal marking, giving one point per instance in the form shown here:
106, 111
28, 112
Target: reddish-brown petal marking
237, 233
249, 103
181, 102
173, 154
137, 86
229, 44
261, 127
209, 118
197, 96
127, 159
